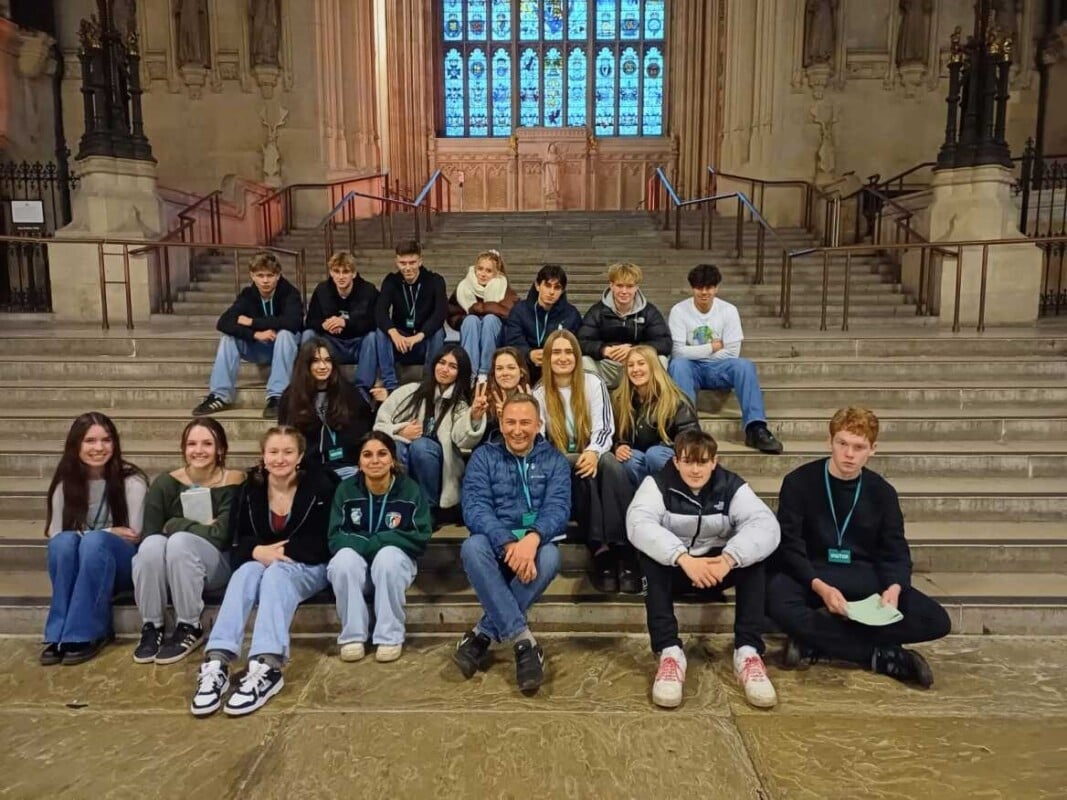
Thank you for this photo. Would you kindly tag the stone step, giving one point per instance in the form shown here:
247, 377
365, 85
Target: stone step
989, 500
1001, 603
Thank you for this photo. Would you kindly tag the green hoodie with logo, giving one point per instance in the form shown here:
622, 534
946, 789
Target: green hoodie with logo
368, 522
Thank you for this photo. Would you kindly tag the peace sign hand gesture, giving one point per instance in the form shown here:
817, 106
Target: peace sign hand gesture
480, 404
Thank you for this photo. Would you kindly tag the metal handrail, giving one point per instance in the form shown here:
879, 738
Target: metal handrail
144, 245
811, 193
283, 197
953, 249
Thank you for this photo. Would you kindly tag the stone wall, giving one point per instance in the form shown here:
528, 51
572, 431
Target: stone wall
27, 112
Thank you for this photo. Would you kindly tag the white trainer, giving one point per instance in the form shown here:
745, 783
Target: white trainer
669, 682
353, 651
388, 652
751, 673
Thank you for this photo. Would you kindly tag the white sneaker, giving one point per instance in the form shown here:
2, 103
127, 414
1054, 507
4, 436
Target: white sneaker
388, 652
211, 684
751, 673
258, 685
670, 680
353, 651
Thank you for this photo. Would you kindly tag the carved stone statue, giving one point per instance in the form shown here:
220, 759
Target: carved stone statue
124, 17
1006, 18
826, 154
551, 176
272, 158
820, 32
194, 49
914, 29
266, 32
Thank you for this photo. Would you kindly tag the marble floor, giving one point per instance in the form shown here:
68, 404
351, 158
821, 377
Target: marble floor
994, 726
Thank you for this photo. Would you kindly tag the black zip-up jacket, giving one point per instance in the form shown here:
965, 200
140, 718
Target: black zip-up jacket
357, 309
308, 527
645, 433
431, 303
283, 312
603, 326
874, 536
319, 444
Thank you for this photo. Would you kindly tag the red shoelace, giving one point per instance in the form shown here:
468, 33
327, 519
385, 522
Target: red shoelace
669, 670
753, 667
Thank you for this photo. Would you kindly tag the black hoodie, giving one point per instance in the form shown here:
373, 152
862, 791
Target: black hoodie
284, 311
431, 303
357, 309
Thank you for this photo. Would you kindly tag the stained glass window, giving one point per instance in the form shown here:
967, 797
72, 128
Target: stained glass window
552, 63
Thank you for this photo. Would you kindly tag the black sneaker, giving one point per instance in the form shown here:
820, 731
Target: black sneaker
259, 684
904, 665
605, 573
797, 656
184, 640
629, 574
151, 639
80, 652
472, 653
51, 655
759, 436
211, 404
211, 684
270, 410
529, 666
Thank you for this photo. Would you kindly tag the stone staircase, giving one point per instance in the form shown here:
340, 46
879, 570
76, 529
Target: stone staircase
974, 427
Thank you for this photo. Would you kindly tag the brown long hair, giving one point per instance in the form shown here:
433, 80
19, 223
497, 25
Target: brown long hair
659, 406
554, 411
73, 476
303, 387
258, 473
524, 374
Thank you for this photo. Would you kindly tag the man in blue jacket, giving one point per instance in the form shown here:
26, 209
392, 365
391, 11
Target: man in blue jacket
516, 503
544, 310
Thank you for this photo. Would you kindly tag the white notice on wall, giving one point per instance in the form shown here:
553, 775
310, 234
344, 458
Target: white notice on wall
27, 212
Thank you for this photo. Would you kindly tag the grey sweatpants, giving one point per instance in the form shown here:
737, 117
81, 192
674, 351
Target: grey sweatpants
185, 563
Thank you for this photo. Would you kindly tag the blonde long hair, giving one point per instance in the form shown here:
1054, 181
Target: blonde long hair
659, 405
556, 427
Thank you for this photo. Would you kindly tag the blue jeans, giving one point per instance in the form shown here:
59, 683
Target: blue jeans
280, 354
504, 597
480, 337
392, 571
423, 460
361, 351
642, 464
422, 353
86, 570
277, 590
737, 374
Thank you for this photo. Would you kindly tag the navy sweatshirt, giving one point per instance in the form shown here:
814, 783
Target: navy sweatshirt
284, 311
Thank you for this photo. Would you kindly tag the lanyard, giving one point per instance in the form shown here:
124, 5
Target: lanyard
101, 514
385, 503
524, 468
268, 306
830, 499
540, 332
410, 299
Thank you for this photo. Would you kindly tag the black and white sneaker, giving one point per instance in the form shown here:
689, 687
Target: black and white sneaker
151, 639
184, 640
906, 666
270, 410
529, 666
211, 404
211, 685
472, 653
259, 684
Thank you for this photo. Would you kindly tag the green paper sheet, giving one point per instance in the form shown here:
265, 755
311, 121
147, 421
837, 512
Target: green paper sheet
870, 611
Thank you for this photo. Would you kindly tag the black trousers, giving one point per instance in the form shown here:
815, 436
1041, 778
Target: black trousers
800, 613
599, 504
663, 584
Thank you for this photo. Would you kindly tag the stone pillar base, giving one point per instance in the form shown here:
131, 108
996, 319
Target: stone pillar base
116, 198
974, 203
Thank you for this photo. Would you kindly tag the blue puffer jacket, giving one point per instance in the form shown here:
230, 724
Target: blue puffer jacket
493, 499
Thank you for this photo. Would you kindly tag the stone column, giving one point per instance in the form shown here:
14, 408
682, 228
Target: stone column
975, 203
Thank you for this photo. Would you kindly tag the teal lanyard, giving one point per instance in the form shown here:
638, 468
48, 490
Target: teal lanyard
410, 299
840, 529
540, 332
523, 468
385, 503
100, 515
268, 306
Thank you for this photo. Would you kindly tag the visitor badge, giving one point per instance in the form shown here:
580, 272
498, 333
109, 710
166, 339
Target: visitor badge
518, 533
528, 519
836, 556
410, 323
335, 453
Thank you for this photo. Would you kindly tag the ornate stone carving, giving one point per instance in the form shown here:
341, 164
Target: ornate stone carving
825, 117
550, 167
272, 173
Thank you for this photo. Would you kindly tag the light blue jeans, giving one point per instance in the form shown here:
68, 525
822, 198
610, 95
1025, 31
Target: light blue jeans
86, 570
480, 337
280, 354
503, 596
642, 464
422, 353
424, 460
391, 571
737, 374
277, 590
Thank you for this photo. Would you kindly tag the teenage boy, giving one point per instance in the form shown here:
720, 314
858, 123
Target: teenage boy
410, 313
262, 326
698, 526
706, 334
621, 319
544, 310
341, 311
516, 503
842, 540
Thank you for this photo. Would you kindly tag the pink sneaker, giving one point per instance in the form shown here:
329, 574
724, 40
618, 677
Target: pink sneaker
752, 675
670, 678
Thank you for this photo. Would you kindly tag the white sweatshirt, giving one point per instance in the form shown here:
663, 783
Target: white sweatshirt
692, 332
601, 419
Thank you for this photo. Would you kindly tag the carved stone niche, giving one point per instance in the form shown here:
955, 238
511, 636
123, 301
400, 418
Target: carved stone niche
547, 180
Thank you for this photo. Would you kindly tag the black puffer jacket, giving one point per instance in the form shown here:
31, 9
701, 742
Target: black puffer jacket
603, 326
646, 434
